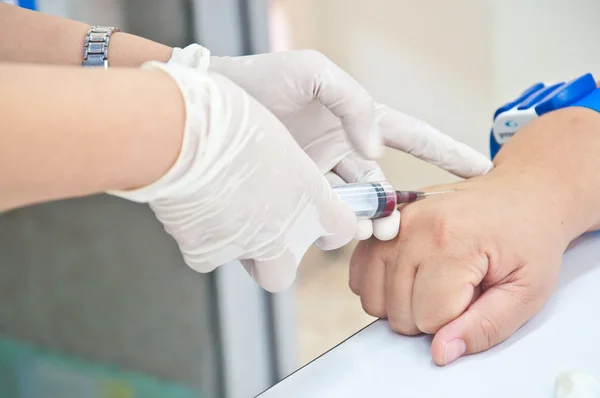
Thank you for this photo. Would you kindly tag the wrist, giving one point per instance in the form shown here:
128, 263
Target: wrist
535, 195
186, 163
553, 161
127, 50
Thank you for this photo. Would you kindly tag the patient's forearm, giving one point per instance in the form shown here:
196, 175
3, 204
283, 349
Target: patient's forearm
556, 159
33, 37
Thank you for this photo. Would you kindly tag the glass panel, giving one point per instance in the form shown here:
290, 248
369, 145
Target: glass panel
96, 298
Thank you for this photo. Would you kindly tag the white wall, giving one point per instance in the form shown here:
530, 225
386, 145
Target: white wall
108, 12
542, 40
451, 63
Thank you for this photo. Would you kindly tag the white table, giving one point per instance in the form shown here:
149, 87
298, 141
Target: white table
378, 363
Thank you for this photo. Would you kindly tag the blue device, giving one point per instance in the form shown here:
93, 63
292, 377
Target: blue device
538, 100
29, 4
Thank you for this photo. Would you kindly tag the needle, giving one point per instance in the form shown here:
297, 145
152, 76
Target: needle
423, 194
411, 196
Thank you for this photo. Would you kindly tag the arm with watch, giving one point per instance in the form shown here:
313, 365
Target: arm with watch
473, 266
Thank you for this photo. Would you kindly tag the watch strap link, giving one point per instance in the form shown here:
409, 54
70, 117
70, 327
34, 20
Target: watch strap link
95, 53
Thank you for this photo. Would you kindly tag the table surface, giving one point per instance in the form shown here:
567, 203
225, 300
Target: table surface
376, 362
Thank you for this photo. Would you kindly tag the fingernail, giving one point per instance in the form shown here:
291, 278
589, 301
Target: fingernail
454, 350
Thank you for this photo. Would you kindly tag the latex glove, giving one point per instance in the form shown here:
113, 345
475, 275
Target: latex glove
241, 188
341, 164
286, 83
331, 117
470, 267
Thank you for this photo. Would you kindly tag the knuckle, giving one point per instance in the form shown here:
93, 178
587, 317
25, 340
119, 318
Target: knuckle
403, 328
428, 325
529, 294
408, 221
354, 286
373, 307
442, 224
362, 254
371, 251
443, 230
314, 57
198, 264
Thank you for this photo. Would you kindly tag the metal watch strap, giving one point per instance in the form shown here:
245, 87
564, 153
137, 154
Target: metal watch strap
95, 53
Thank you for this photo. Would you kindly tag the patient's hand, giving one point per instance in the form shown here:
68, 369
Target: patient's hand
470, 266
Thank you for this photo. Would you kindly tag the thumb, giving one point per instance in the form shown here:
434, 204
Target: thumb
494, 317
339, 92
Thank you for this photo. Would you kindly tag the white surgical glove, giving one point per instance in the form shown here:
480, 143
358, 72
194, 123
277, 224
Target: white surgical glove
242, 188
330, 116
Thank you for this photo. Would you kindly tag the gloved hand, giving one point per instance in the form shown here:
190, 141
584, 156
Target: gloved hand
335, 120
242, 188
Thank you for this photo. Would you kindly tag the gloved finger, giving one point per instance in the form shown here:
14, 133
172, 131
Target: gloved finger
201, 266
496, 315
320, 135
274, 275
198, 261
399, 278
444, 288
334, 180
328, 223
364, 227
345, 98
354, 168
337, 219
387, 228
248, 266
425, 142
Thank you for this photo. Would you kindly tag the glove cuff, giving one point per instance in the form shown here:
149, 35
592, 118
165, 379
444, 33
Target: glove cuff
198, 91
192, 56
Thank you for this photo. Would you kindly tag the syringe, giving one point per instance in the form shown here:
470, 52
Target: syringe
371, 200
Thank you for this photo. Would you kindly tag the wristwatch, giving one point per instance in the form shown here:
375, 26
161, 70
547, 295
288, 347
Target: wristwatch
538, 100
95, 53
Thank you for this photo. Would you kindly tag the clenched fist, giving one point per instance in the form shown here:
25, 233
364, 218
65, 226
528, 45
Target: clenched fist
470, 267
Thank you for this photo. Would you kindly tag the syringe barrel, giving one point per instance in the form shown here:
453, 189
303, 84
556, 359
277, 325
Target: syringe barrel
369, 200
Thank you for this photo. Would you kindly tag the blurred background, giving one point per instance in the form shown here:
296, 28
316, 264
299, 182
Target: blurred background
96, 300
